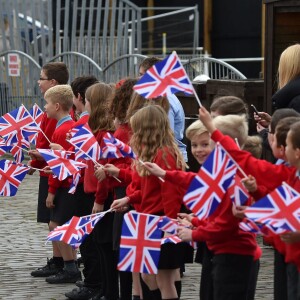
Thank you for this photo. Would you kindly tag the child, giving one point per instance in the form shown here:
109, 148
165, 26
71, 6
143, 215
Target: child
62, 204
98, 97
52, 74
228, 105
152, 140
234, 250
262, 170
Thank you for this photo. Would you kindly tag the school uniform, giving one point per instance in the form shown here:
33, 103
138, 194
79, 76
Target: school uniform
233, 249
163, 199
261, 170
65, 206
47, 126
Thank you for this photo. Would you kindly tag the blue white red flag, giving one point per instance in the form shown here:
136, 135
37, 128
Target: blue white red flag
250, 226
11, 175
37, 115
60, 164
239, 194
74, 183
115, 148
3, 147
280, 209
75, 230
165, 77
174, 239
69, 232
168, 225
140, 243
18, 120
85, 143
208, 188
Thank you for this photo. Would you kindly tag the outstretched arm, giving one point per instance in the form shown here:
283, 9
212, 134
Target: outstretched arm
206, 119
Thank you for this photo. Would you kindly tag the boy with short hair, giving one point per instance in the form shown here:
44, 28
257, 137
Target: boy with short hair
63, 206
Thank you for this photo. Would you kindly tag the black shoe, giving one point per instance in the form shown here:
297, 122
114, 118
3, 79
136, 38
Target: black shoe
49, 269
99, 296
83, 293
64, 277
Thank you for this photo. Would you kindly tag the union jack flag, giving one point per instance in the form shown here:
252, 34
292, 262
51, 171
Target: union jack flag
69, 232
168, 225
165, 77
75, 230
250, 226
140, 243
85, 143
74, 183
239, 193
3, 147
37, 115
16, 149
174, 239
280, 209
11, 175
60, 164
115, 148
18, 120
208, 188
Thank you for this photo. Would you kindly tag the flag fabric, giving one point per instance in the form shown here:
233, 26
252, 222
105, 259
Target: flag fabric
16, 149
239, 194
250, 226
208, 188
168, 225
75, 230
13, 122
74, 183
11, 175
165, 77
69, 232
174, 239
37, 115
279, 210
85, 143
3, 147
60, 164
140, 243
115, 148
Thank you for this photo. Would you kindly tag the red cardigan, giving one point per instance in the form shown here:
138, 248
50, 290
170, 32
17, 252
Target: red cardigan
123, 133
48, 127
262, 171
221, 231
59, 137
154, 196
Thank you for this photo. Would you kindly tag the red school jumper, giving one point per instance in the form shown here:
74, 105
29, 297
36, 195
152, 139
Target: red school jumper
123, 133
59, 137
48, 127
154, 196
221, 232
262, 171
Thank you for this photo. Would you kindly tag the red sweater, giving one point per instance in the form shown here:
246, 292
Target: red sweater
90, 181
156, 197
48, 127
59, 137
263, 171
123, 133
221, 232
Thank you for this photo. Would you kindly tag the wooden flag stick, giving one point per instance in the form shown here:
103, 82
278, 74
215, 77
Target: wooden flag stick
161, 179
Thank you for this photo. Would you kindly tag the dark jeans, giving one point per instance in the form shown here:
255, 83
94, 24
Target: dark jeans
231, 276
280, 277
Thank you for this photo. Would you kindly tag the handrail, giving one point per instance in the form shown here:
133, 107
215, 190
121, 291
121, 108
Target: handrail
77, 54
21, 53
121, 57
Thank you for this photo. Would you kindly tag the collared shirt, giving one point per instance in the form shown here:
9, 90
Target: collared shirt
63, 120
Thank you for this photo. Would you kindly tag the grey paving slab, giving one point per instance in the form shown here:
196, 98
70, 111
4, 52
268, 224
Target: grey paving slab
22, 249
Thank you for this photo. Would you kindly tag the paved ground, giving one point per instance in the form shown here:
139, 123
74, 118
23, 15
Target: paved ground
22, 248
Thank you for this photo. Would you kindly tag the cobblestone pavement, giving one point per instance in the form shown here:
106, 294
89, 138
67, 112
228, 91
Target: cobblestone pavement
22, 249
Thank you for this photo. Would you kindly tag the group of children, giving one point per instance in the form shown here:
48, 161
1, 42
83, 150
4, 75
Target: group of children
229, 255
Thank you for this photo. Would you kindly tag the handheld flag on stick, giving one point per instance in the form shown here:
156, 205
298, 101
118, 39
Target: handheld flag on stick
165, 77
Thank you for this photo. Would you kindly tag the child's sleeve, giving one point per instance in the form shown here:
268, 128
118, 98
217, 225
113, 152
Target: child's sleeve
260, 169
